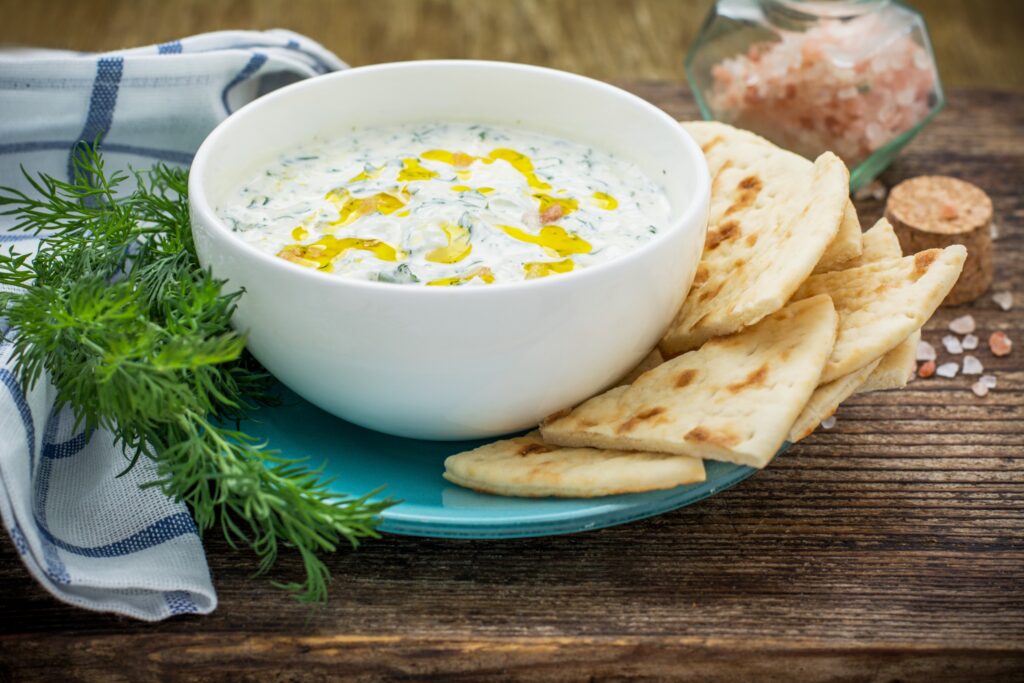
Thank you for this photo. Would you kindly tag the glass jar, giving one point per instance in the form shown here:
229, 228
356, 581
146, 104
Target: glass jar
857, 77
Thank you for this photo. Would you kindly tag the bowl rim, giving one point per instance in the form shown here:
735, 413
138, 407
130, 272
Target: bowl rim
200, 204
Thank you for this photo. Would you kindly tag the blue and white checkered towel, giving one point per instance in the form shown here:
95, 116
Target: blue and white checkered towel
90, 538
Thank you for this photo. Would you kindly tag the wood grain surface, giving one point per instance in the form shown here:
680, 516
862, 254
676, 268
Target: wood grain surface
890, 548
977, 42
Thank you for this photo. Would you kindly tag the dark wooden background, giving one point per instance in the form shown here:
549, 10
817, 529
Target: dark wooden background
978, 42
888, 549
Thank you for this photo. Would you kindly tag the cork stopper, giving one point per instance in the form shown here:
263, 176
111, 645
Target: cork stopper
937, 211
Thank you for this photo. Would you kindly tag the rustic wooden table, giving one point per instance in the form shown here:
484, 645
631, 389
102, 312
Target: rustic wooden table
890, 548
977, 43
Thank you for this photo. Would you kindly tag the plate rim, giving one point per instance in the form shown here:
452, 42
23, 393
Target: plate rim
569, 523
419, 520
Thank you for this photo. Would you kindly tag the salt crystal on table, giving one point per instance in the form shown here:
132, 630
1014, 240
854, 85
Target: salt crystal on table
925, 351
952, 344
979, 389
972, 366
988, 380
829, 422
969, 343
1004, 300
962, 325
993, 230
947, 370
1000, 344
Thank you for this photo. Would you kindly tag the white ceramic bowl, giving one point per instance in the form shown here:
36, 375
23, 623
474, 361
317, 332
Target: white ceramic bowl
453, 362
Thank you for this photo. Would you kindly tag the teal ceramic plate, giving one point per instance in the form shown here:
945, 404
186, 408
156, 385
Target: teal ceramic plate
361, 460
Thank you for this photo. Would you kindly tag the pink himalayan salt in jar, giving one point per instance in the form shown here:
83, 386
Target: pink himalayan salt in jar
856, 77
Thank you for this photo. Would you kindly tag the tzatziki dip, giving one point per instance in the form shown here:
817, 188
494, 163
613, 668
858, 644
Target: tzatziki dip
444, 204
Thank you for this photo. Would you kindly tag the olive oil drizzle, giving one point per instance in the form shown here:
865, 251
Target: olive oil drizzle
555, 240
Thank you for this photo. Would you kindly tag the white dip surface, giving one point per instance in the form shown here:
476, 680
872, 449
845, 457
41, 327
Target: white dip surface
447, 204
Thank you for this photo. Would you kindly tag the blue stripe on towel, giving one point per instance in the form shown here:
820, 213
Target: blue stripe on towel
161, 531
55, 567
180, 602
64, 449
13, 386
257, 60
101, 106
36, 146
318, 63
168, 528
171, 48
169, 155
20, 542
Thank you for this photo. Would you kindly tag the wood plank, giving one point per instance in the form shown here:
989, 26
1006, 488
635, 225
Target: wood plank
609, 39
314, 658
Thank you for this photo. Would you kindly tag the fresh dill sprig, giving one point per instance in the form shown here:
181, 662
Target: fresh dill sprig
136, 338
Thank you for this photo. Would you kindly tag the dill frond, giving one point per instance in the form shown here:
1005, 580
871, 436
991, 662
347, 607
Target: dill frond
136, 338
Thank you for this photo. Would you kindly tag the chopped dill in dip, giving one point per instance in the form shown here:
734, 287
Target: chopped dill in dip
447, 204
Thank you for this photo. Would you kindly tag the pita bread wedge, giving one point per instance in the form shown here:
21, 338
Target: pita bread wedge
825, 400
733, 399
897, 367
881, 304
773, 214
847, 243
651, 360
877, 244
526, 466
